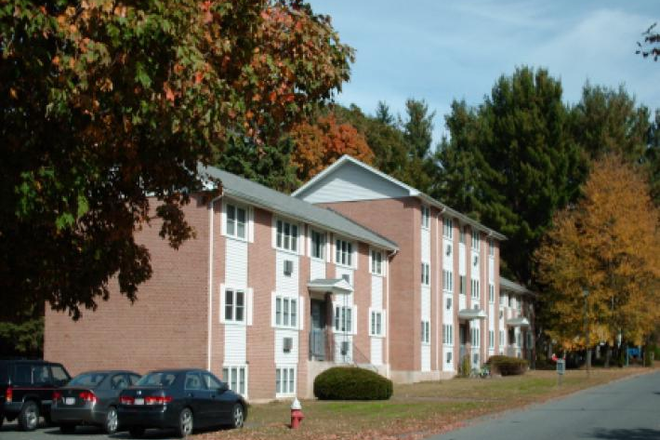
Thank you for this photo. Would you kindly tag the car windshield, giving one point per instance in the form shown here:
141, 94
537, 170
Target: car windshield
157, 379
88, 379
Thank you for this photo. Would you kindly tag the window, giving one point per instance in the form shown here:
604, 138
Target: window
344, 253
60, 378
491, 293
530, 341
476, 336
448, 304
461, 287
491, 247
193, 382
447, 280
286, 312
501, 314
211, 382
236, 378
447, 334
519, 304
426, 215
285, 380
425, 274
376, 262
461, 235
475, 239
426, 332
318, 245
376, 323
235, 221
501, 338
287, 236
491, 338
447, 227
234, 305
449, 357
343, 319
475, 289
511, 301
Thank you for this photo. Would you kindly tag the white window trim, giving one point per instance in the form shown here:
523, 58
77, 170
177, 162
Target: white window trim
450, 221
299, 311
300, 239
289, 393
353, 253
311, 245
425, 224
247, 376
248, 307
426, 332
426, 274
382, 262
383, 321
249, 221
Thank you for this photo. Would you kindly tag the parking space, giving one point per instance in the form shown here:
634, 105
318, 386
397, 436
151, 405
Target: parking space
10, 431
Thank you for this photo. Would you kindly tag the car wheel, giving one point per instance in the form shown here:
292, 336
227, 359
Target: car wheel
185, 427
28, 419
237, 416
136, 431
2, 420
68, 428
111, 421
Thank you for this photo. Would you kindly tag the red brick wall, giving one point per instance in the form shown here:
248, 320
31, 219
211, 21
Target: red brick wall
362, 299
303, 335
399, 220
165, 327
219, 256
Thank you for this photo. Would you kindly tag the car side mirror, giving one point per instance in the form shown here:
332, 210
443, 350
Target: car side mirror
223, 387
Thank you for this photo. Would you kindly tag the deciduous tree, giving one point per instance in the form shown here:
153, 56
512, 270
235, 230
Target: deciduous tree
608, 244
103, 103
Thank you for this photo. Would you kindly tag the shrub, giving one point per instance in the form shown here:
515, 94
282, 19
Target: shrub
465, 366
351, 383
507, 366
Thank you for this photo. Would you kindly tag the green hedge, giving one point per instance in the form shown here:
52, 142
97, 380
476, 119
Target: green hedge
507, 366
351, 383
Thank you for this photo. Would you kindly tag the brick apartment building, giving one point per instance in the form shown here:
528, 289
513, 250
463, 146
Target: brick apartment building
354, 268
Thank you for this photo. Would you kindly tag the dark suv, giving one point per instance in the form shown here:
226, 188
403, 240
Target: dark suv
26, 390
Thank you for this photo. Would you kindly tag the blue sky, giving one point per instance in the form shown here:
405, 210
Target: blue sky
444, 50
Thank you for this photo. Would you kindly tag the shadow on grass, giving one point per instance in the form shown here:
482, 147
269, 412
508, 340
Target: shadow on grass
626, 434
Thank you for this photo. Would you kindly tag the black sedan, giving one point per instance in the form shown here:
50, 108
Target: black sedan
183, 399
90, 398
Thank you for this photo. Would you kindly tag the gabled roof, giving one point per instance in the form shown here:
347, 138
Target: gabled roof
333, 285
258, 195
511, 286
409, 190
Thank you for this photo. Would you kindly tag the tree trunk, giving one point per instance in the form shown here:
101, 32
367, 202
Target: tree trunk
608, 356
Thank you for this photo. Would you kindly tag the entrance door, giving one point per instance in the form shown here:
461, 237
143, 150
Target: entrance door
317, 333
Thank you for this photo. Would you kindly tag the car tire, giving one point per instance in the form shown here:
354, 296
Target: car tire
136, 431
28, 419
67, 428
237, 416
186, 423
111, 421
2, 420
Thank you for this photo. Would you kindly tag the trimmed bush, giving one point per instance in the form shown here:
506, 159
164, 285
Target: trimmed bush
507, 366
351, 383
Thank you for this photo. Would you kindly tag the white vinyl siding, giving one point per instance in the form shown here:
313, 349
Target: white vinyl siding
426, 215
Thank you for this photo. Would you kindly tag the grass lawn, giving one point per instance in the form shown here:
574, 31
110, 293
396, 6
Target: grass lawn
417, 410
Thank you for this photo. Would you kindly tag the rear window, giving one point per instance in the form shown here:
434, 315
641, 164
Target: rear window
88, 379
158, 379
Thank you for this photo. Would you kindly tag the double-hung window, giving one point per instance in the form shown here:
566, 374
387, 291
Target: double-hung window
462, 286
285, 380
475, 289
318, 245
287, 236
448, 334
447, 280
426, 332
234, 305
491, 338
491, 293
343, 319
475, 239
344, 252
426, 215
235, 221
376, 323
461, 235
376, 262
491, 247
234, 376
476, 336
447, 227
426, 274
286, 312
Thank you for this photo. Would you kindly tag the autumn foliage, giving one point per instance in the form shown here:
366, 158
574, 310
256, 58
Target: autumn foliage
607, 244
319, 145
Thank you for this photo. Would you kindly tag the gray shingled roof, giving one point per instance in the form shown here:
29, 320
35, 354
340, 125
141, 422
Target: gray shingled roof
512, 286
269, 199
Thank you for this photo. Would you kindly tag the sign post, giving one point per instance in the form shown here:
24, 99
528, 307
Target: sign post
561, 369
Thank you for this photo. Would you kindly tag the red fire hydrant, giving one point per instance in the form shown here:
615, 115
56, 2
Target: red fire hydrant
296, 414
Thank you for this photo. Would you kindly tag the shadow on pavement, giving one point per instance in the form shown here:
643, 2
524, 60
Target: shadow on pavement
626, 434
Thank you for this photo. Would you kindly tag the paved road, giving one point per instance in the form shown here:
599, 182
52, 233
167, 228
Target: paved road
624, 410
9, 431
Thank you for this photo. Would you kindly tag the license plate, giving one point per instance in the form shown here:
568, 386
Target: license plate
139, 401
69, 400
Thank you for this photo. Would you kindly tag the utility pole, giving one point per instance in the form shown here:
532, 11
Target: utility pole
585, 291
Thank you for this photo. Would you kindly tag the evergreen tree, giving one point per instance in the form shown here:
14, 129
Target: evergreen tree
418, 136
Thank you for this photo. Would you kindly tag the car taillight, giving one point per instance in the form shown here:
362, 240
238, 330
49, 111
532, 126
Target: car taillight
126, 400
157, 400
88, 396
56, 396
9, 394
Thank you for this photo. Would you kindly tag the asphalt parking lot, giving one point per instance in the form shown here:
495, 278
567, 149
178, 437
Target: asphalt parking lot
10, 431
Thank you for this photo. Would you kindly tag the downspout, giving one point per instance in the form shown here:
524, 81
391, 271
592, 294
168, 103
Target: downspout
389, 315
210, 310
